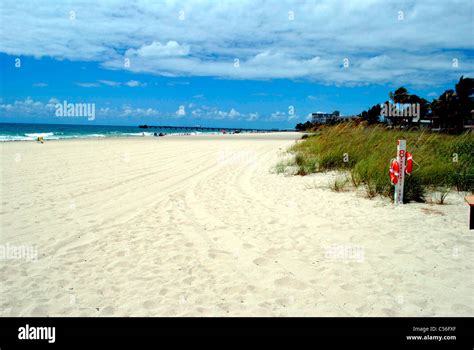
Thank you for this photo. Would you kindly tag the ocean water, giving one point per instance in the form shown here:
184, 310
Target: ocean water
30, 132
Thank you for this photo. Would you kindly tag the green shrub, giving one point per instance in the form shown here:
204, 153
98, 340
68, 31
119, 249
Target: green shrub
339, 183
413, 190
440, 160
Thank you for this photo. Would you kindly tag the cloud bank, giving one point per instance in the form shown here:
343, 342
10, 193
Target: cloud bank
330, 42
39, 109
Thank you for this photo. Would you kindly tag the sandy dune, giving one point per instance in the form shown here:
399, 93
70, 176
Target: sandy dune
199, 225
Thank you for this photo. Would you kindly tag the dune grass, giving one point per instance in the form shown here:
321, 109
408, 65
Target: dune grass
441, 161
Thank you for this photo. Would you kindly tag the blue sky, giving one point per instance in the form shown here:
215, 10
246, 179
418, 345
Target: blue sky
228, 63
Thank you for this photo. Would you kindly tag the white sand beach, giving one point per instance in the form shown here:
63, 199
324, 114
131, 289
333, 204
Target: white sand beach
202, 226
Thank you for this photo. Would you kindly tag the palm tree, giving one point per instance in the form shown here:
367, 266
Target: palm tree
465, 93
446, 109
402, 96
399, 96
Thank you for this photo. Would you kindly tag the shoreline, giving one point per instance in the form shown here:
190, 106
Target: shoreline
150, 136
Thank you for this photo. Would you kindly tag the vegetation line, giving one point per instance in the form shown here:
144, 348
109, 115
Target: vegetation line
442, 161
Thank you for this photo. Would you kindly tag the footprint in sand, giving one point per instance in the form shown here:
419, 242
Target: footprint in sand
149, 304
107, 311
40, 311
214, 253
188, 280
289, 282
251, 288
346, 286
261, 261
389, 312
361, 310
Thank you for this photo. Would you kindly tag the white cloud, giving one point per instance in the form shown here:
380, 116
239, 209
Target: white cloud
130, 83
281, 116
28, 107
174, 83
127, 111
233, 114
110, 82
40, 109
291, 117
214, 113
278, 116
380, 48
252, 117
158, 50
87, 85
181, 112
133, 83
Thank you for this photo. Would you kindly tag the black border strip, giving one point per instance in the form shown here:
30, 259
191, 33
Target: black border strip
350, 331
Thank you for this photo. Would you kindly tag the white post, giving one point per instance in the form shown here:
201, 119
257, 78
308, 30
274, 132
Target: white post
401, 157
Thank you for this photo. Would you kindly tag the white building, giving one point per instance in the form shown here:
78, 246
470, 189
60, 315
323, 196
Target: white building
323, 118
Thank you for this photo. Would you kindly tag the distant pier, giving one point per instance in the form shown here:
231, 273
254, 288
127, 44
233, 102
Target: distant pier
204, 128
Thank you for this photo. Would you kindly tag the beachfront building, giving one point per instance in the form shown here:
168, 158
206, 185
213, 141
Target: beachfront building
324, 118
